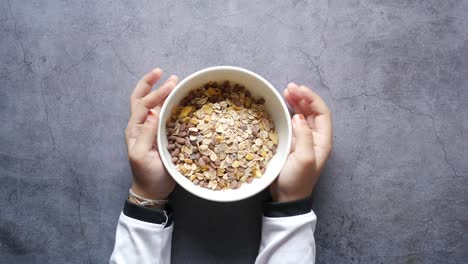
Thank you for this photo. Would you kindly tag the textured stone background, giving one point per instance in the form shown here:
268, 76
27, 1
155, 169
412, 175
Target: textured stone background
394, 73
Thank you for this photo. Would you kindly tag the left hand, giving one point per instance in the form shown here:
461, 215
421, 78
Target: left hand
150, 178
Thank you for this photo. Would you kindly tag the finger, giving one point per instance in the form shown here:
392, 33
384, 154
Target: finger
157, 108
293, 102
144, 86
322, 121
172, 78
316, 110
132, 132
310, 118
316, 105
293, 144
287, 92
150, 101
145, 140
323, 126
304, 145
157, 97
297, 98
298, 106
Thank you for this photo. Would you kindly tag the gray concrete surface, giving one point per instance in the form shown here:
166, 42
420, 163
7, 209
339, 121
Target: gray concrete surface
394, 73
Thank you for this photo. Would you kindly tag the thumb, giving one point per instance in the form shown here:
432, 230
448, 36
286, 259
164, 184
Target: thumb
304, 145
145, 140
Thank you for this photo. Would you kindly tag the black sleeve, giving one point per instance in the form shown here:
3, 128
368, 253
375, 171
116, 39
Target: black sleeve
145, 214
284, 209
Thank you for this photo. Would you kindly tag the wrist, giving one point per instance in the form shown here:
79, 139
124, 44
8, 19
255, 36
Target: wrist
287, 208
150, 215
149, 193
155, 206
285, 197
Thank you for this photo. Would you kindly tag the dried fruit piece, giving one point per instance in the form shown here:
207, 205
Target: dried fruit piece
236, 164
274, 138
249, 156
185, 111
207, 109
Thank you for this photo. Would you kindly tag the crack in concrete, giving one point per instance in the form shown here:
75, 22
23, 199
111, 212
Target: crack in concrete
80, 217
279, 20
211, 18
122, 62
46, 110
318, 72
73, 66
365, 94
434, 128
325, 25
128, 26
18, 38
376, 95
70, 168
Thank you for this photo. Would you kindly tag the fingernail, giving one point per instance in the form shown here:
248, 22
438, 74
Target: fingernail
299, 118
172, 80
303, 88
151, 116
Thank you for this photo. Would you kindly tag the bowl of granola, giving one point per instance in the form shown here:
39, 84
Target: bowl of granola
224, 133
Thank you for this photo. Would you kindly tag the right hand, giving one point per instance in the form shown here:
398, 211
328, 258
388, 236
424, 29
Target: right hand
312, 143
150, 178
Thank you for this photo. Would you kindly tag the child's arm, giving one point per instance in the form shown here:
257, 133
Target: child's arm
288, 222
288, 233
144, 233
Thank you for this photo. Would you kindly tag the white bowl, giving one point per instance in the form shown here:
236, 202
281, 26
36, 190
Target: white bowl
275, 106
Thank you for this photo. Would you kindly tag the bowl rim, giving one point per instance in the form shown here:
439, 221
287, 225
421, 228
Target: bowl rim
167, 163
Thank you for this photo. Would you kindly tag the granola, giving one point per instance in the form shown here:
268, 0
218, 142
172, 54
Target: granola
220, 137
